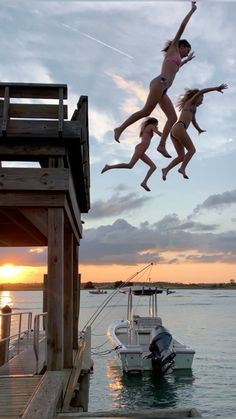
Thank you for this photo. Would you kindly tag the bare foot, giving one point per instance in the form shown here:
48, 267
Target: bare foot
105, 168
183, 173
117, 133
144, 185
164, 173
163, 151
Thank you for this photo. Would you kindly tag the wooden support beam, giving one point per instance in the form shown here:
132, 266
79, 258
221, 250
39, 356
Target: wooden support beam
5, 110
55, 304
60, 112
33, 90
68, 298
76, 295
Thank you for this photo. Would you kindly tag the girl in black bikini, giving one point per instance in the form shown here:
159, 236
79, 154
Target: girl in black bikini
148, 128
187, 104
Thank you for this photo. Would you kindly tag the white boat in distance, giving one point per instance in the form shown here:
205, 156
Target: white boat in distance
143, 343
98, 291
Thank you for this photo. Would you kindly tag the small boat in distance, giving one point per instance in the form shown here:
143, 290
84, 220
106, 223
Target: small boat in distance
143, 343
98, 291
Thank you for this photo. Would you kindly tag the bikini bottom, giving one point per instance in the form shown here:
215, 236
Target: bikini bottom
178, 122
164, 82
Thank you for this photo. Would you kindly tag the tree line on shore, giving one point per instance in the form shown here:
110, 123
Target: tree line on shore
36, 286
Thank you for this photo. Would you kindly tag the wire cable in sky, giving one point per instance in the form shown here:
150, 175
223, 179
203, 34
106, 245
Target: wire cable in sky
98, 41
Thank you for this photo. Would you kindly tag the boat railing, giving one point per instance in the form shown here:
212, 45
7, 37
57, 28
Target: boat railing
40, 336
23, 330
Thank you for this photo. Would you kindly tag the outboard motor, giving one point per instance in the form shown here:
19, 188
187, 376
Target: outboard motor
161, 348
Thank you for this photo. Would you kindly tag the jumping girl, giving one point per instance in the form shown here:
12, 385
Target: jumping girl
148, 127
174, 52
187, 104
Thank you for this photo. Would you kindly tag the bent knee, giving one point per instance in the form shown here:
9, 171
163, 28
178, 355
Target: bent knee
153, 167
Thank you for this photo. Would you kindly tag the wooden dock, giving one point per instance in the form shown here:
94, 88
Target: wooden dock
42, 206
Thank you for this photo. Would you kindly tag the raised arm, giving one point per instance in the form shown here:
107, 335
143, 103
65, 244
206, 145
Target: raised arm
184, 24
219, 88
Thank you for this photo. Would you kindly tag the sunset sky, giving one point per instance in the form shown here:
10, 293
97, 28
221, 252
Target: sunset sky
110, 51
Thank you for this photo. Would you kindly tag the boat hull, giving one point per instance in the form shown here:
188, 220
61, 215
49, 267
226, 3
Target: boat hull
133, 346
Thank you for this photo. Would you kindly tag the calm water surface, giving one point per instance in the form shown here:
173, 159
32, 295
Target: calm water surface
203, 319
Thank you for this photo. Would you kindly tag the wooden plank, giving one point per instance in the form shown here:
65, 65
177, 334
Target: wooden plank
68, 298
142, 414
41, 199
25, 362
60, 112
30, 152
5, 110
40, 129
33, 90
74, 375
76, 295
26, 179
35, 110
55, 303
17, 221
45, 400
38, 217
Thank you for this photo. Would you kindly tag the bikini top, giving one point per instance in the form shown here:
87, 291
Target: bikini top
174, 58
147, 131
192, 109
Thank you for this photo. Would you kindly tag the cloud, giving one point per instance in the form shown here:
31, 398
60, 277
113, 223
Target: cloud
123, 243
217, 201
116, 205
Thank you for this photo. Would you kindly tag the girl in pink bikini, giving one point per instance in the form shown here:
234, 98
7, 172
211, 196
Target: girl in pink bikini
187, 104
148, 127
174, 51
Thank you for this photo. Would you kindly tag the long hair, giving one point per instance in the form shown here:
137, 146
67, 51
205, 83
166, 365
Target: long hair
181, 42
149, 120
189, 93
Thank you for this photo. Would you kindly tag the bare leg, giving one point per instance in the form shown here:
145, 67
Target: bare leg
180, 157
188, 144
154, 96
152, 169
169, 110
138, 153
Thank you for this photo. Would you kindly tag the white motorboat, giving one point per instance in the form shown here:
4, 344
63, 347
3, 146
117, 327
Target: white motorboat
98, 291
143, 343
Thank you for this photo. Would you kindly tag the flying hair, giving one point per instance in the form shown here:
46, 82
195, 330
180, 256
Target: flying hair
189, 93
149, 120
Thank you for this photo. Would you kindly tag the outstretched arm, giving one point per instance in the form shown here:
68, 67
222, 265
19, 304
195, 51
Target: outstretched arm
219, 88
184, 24
195, 124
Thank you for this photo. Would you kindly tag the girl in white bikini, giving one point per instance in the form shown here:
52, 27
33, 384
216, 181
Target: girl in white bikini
187, 104
148, 128
174, 51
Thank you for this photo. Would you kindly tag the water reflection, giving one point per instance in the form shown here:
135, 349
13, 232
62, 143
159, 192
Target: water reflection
5, 299
146, 390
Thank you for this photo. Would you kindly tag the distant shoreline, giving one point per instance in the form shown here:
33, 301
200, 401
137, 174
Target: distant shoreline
110, 285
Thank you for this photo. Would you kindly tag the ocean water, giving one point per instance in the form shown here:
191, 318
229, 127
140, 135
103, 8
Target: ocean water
203, 319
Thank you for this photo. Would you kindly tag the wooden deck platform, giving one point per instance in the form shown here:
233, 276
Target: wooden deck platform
15, 393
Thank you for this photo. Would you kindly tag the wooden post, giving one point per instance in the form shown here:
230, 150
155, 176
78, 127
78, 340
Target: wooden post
45, 298
68, 299
55, 304
5, 328
76, 295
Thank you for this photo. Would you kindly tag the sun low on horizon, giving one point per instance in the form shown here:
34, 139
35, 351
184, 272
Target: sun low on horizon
11, 273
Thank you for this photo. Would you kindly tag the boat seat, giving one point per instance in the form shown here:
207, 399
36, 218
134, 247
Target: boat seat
147, 321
